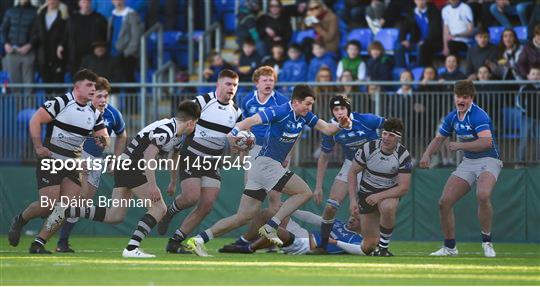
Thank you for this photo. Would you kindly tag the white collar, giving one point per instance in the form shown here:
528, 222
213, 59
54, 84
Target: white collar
122, 13
419, 12
257, 97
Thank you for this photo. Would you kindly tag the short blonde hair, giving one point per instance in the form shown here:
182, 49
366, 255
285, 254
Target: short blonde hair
264, 71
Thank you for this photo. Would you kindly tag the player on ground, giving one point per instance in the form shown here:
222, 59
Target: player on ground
386, 173
298, 240
135, 177
286, 122
200, 185
70, 119
481, 165
364, 129
114, 123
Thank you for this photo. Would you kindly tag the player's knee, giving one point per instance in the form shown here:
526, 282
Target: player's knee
483, 197
444, 203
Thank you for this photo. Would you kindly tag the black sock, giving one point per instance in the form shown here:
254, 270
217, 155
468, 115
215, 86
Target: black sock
40, 241
326, 228
144, 227
450, 243
178, 236
486, 237
385, 235
172, 209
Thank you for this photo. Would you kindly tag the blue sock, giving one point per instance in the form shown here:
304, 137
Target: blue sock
486, 237
65, 232
274, 222
450, 243
206, 235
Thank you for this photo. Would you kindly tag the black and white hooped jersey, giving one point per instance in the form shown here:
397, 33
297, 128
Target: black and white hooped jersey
381, 170
72, 124
160, 133
216, 121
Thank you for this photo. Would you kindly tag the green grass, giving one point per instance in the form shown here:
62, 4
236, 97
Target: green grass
98, 261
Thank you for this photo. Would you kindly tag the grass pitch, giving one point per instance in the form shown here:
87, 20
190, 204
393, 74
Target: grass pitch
98, 261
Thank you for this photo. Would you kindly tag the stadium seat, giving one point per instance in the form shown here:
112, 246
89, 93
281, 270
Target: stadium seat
495, 34
511, 122
388, 38
304, 34
363, 36
4, 77
396, 72
521, 32
417, 73
229, 21
441, 70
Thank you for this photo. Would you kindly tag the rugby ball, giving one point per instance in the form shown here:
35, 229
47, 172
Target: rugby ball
245, 140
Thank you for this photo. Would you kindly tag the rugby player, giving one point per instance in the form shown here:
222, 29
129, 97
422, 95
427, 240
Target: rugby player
364, 128
69, 119
481, 165
386, 173
137, 178
114, 123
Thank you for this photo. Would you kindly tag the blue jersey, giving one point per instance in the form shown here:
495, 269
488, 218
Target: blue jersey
251, 105
113, 122
283, 131
475, 121
339, 232
364, 129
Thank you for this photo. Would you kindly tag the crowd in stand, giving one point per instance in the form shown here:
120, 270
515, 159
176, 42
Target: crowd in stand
450, 36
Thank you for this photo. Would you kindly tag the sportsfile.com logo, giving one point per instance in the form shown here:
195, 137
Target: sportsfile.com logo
112, 163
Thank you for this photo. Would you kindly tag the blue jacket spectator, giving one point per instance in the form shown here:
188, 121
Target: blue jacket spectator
295, 69
321, 58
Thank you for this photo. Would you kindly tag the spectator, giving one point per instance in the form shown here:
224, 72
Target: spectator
218, 64
429, 75
325, 23
48, 31
481, 54
373, 97
249, 60
276, 59
482, 15
101, 62
423, 25
354, 13
529, 103
124, 34
458, 27
379, 66
321, 58
451, 71
352, 62
295, 68
324, 75
535, 19
17, 28
400, 103
483, 76
508, 55
247, 24
105, 7
275, 26
180, 93
374, 16
530, 55
82, 29
393, 14
346, 77
501, 9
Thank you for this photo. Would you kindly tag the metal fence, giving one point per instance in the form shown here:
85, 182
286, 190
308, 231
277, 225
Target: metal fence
517, 130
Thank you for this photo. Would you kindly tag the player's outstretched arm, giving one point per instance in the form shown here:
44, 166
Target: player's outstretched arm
484, 141
433, 146
249, 122
350, 248
103, 139
331, 128
41, 117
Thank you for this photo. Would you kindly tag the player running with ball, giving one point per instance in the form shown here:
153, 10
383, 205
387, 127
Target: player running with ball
286, 122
